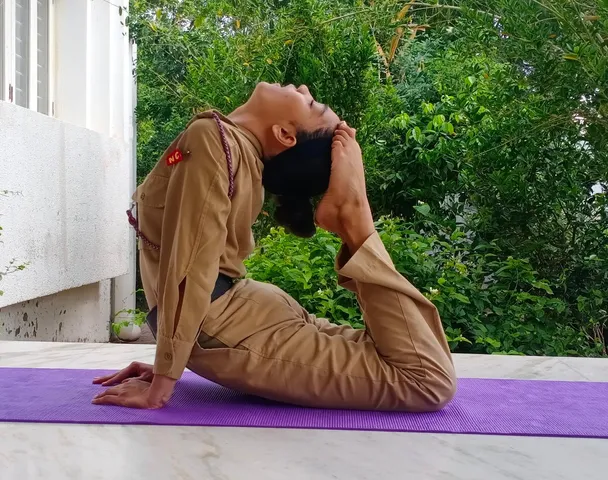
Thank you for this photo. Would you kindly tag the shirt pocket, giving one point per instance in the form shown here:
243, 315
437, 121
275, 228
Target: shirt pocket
151, 197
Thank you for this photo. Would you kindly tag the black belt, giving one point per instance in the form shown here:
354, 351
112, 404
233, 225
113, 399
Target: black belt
222, 285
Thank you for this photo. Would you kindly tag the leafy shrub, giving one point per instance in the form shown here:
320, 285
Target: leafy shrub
495, 122
305, 269
489, 304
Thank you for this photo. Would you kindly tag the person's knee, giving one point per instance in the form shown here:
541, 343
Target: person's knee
437, 391
429, 392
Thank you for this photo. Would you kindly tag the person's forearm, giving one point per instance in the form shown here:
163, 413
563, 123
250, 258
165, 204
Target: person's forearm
161, 390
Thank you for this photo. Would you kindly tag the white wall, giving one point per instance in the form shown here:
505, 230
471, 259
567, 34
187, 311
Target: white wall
74, 174
69, 219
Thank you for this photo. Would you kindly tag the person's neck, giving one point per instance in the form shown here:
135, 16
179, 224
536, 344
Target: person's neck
244, 117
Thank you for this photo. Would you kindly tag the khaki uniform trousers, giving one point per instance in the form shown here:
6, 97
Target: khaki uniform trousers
258, 340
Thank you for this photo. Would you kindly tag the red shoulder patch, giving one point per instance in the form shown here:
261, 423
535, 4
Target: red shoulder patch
175, 157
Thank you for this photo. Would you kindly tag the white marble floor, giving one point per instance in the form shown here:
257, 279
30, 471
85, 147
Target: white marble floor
53, 452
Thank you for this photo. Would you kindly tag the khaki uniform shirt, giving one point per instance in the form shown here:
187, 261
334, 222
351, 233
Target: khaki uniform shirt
185, 209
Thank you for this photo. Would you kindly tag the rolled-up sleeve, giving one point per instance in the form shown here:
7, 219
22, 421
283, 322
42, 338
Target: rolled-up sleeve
193, 240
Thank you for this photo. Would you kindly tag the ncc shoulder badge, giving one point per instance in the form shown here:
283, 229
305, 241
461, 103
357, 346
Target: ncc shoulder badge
175, 157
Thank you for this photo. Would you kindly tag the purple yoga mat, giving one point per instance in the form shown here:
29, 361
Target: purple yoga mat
482, 406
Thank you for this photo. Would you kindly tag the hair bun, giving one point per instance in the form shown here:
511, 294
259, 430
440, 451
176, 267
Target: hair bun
296, 215
297, 175
302, 170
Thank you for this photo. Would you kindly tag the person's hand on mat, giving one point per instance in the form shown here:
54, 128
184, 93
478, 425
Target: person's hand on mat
136, 393
132, 393
137, 370
344, 209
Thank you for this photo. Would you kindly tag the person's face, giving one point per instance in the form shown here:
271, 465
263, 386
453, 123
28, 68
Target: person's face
289, 110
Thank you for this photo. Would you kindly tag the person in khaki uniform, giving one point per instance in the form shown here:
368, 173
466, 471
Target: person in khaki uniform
195, 213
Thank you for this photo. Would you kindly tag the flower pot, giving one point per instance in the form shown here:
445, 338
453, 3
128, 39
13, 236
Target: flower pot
129, 333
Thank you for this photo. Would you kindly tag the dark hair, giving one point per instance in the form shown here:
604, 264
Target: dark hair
296, 176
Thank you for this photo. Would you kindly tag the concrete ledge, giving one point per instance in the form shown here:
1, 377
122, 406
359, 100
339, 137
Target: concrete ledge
77, 315
68, 220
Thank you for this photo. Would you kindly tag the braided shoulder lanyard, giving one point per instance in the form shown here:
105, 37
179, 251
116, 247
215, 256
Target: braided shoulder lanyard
133, 221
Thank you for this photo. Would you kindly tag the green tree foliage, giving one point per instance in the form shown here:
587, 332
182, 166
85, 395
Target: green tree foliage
484, 129
489, 302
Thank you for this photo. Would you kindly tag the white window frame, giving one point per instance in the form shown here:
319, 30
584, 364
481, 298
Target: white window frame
8, 77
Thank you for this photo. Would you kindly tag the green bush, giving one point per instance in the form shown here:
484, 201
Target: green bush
305, 269
492, 115
488, 304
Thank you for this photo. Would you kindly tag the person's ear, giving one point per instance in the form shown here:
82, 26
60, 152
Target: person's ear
284, 136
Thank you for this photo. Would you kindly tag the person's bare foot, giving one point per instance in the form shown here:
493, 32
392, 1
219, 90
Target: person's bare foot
344, 209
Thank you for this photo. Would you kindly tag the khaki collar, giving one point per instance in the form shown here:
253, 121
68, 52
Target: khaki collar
248, 135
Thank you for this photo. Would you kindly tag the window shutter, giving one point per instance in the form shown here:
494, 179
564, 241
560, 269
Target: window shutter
43, 56
22, 52
2, 51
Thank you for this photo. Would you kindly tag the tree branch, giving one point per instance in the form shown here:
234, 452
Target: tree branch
414, 4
